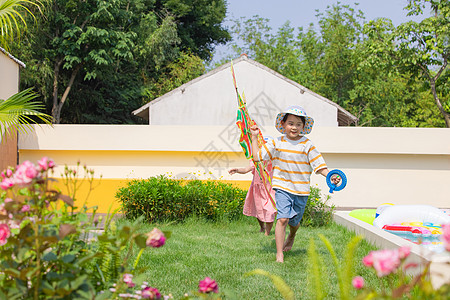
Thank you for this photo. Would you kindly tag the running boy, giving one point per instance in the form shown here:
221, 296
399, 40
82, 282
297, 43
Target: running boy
294, 157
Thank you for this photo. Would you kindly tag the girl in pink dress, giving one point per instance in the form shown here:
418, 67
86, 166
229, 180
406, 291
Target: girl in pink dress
258, 203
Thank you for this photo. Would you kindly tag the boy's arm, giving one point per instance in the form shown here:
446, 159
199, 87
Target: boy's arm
255, 148
323, 172
334, 178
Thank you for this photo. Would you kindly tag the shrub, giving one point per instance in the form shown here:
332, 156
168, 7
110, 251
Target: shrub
164, 199
317, 211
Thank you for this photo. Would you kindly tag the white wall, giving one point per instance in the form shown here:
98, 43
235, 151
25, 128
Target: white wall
9, 76
211, 99
383, 165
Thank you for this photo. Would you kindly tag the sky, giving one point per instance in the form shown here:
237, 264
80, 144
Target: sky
301, 13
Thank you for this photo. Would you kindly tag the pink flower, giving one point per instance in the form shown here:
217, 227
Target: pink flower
368, 260
403, 252
6, 184
150, 293
7, 173
25, 208
25, 174
5, 233
45, 163
383, 261
208, 285
155, 238
446, 236
358, 282
128, 279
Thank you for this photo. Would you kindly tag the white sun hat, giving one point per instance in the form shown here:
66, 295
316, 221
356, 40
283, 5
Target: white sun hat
296, 111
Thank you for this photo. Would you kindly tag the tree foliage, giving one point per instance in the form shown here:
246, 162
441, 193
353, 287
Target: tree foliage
419, 49
374, 70
100, 60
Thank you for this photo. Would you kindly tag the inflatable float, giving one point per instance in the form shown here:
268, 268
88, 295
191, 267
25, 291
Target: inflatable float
425, 214
420, 224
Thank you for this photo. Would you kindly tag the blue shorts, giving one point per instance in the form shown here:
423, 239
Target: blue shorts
290, 206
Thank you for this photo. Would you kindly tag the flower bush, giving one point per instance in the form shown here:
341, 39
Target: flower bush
50, 249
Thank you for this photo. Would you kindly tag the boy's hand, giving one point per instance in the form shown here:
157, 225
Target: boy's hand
335, 179
254, 131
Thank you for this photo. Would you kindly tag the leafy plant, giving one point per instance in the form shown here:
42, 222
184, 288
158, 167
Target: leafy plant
344, 269
18, 112
49, 252
162, 199
317, 211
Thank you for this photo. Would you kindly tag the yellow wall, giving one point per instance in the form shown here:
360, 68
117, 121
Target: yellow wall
103, 195
127, 164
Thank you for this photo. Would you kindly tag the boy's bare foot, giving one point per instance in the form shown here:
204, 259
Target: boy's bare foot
280, 258
266, 233
288, 243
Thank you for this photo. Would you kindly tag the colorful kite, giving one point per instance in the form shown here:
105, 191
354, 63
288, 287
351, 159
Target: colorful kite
244, 122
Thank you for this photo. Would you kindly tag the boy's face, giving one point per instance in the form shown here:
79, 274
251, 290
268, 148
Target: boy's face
292, 127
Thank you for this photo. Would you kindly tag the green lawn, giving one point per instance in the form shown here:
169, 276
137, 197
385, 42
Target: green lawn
225, 251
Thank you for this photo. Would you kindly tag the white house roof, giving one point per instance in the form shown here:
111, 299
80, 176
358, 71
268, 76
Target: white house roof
211, 90
12, 57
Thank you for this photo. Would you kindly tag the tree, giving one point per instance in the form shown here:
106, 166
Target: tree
421, 49
103, 59
16, 112
349, 62
199, 24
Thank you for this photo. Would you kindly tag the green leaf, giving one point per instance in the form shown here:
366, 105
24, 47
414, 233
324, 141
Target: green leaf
285, 291
50, 257
68, 258
317, 286
141, 241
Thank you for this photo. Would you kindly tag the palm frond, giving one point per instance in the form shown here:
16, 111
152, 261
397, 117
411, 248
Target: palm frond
10, 18
19, 111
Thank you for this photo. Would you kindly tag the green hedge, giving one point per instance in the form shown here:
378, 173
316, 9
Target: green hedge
161, 199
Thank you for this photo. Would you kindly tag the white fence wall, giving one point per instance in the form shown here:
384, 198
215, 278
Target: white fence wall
383, 165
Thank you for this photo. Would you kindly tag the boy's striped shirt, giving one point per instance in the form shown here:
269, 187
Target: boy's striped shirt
293, 162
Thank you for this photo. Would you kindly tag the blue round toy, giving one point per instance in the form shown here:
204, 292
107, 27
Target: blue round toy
333, 187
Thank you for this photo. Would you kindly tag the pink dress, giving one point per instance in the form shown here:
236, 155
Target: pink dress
257, 203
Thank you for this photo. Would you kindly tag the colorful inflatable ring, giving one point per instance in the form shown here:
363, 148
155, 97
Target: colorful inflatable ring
398, 214
333, 187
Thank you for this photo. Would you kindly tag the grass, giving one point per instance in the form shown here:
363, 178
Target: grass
225, 251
